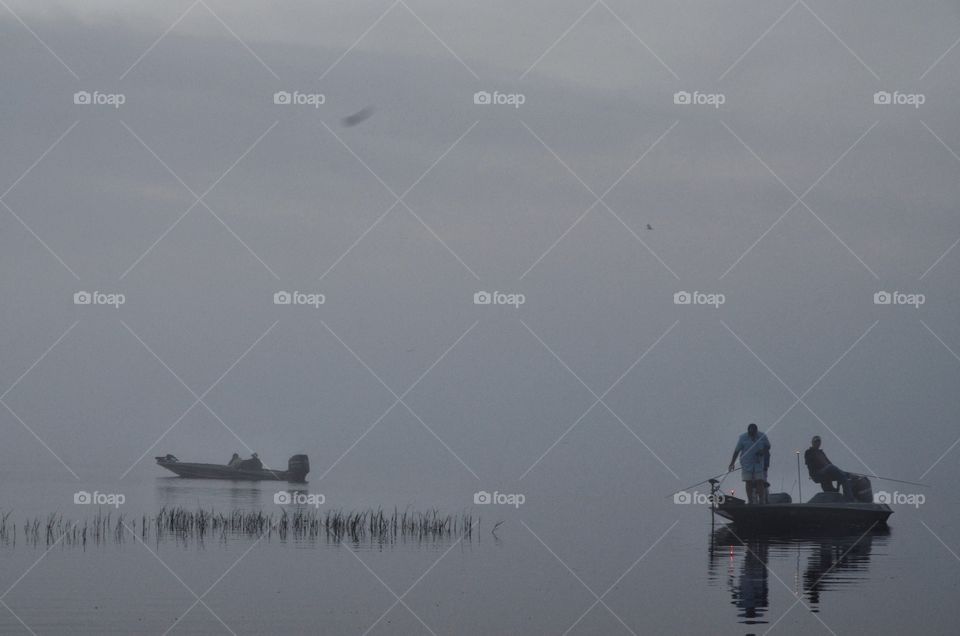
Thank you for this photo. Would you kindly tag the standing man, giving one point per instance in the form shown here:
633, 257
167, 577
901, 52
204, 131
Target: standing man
753, 447
824, 472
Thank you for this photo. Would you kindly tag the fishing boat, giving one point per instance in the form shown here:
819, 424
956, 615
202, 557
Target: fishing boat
297, 468
825, 511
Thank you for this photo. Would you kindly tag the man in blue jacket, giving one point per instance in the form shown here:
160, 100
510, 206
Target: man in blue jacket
753, 447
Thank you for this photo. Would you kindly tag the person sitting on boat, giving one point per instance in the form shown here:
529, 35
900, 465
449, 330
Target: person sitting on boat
824, 472
235, 461
753, 447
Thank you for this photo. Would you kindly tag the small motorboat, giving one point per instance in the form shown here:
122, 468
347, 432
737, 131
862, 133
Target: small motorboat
297, 468
825, 511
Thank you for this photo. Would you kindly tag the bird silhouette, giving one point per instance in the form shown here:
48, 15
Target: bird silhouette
360, 116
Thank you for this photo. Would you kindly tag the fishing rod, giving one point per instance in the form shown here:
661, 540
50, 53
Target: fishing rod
736, 468
899, 481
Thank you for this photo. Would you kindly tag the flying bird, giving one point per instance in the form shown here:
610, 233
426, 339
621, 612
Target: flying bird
358, 117
649, 227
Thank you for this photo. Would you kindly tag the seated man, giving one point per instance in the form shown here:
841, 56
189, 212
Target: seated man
234, 461
824, 472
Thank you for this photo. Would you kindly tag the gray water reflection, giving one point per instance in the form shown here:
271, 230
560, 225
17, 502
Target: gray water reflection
822, 564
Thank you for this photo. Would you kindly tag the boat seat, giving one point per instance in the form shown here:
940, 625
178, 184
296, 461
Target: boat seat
827, 497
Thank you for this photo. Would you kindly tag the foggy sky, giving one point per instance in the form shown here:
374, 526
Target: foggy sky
494, 213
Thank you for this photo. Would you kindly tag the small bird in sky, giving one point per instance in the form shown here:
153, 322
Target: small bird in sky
360, 116
649, 227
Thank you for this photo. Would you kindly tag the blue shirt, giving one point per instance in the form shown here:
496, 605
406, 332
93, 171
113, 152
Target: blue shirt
752, 451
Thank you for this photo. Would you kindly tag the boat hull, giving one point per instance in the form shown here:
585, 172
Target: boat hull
192, 470
796, 517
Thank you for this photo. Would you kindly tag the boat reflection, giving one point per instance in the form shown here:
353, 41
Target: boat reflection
750, 564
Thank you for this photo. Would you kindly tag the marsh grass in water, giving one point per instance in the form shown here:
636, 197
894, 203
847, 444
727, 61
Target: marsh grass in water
183, 525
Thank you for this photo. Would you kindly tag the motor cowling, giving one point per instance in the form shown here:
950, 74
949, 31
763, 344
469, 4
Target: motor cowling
862, 488
297, 467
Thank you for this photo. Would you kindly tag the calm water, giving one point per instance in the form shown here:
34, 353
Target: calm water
688, 579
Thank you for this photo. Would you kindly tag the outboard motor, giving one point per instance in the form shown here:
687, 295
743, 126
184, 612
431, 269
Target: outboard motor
297, 468
862, 489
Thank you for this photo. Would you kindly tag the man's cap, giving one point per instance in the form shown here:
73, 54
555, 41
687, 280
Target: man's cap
816, 438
